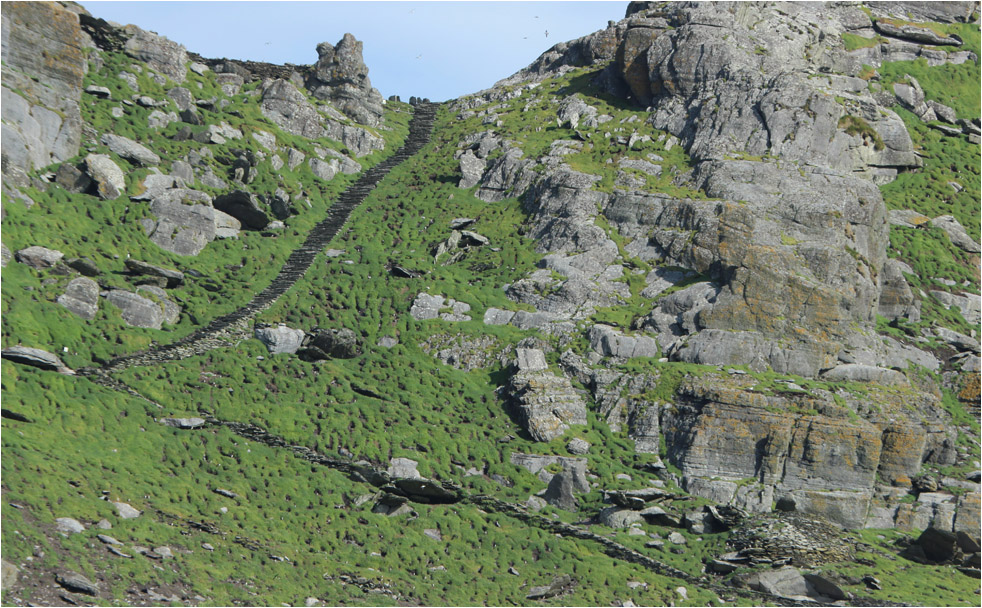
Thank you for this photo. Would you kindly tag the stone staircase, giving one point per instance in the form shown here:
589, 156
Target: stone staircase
218, 332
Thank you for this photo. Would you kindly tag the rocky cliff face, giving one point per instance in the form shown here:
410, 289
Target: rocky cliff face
341, 76
786, 241
43, 67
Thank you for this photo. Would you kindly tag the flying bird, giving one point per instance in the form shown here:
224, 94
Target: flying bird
547, 33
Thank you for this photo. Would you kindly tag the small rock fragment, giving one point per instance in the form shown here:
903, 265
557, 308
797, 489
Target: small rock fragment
126, 511
69, 525
77, 583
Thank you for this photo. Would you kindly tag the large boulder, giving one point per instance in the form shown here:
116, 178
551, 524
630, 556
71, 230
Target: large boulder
956, 232
81, 297
609, 342
186, 221
130, 150
171, 278
788, 582
243, 206
137, 310
564, 484
44, 64
108, 177
35, 357
171, 310
281, 339
76, 583
39, 257
341, 77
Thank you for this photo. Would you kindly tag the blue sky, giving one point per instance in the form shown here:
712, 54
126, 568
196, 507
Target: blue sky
439, 50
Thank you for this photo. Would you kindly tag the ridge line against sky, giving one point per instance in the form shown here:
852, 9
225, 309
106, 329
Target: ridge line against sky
440, 50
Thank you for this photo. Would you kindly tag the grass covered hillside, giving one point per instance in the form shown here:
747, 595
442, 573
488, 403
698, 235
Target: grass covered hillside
468, 384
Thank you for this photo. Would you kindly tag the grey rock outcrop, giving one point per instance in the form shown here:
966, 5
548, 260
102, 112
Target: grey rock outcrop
750, 231
183, 423
619, 517
39, 257
969, 305
719, 433
790, 583
688, 64
69, 525
163, 55
471, 169
186, 221
130, 150
287, 107
897, 300
956, 232
8, 575
137, 310
81, 297
566, 483
508, 175
914, 33
108, 177
609, 342
170, 277
578, 446
183, 98
126, 511
35, 357
77, 583
323, 170
426, 307
547, 404
171, 310
855, 372
341, 77
359, 141
945, 12
403, 468
44, 62
281, 339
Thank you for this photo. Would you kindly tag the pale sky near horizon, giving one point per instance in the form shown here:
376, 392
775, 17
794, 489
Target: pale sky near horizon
439, 50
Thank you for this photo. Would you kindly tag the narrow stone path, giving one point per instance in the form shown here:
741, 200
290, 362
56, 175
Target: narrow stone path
366, 473
226, 328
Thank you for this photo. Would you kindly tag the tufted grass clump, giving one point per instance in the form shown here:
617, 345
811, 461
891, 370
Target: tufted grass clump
854, 125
